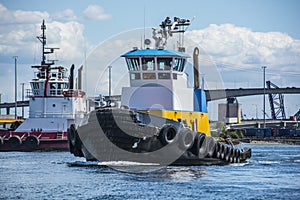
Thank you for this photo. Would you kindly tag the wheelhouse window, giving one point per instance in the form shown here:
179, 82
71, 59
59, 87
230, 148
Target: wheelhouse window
53, 87
36, 88
135, 76
53, 75
60, 87
148, 64
133, 64
164, 63
179, 64
56, 88
35, 85
164, 76
149, 76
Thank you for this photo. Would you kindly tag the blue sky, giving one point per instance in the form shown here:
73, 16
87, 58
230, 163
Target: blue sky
267, 32
258, 15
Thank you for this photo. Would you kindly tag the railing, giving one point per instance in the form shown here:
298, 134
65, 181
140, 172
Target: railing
52, 115
73, 93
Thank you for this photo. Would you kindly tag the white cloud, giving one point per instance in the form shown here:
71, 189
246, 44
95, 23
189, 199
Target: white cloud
95, 12
69, 38
66, 15
19, 16
19, 29
239, 45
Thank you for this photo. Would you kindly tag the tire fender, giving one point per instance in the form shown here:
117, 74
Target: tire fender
32, 142
186, 139
167, 134
14, 141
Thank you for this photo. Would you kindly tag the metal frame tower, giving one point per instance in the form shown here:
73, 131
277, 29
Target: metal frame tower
276, 103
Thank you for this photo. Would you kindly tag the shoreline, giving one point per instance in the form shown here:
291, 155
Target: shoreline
275, 142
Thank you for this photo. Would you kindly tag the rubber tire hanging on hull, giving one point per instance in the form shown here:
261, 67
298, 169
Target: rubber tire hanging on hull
74, 141
14, 142
1, 141
227, 153
210, 146
32, 142
217, 150
198, 148
167, 134
204, 146
186, 139
237, 154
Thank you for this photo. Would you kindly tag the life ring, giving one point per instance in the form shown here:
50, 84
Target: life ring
186, 139
32, 142
14, 142
167, 134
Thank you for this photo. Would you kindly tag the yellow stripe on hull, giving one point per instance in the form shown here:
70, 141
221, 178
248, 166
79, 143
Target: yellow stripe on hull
197, 121
10, 120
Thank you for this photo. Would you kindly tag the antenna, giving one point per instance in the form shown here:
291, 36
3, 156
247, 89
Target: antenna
190, 23
85, 69
167, 28
42, 39
144, 25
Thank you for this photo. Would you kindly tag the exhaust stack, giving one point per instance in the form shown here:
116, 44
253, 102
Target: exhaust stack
71, 78
196, 68
79, 84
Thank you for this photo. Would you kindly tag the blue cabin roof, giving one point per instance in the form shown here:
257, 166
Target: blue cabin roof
154, 52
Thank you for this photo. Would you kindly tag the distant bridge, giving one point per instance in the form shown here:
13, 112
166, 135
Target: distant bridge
258, 123
10, 105
212, 95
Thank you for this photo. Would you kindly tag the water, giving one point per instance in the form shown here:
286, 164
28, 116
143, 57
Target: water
273, 172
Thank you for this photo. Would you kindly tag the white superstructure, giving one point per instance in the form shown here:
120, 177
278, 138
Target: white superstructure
54, 104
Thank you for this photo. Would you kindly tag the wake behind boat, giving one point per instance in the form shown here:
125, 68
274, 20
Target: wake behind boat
161, 119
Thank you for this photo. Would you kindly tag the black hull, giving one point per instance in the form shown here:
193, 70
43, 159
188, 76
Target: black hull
122, 135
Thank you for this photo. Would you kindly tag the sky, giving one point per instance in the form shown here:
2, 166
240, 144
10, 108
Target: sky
237, 38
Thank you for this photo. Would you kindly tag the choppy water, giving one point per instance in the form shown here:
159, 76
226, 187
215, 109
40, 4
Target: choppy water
273, 172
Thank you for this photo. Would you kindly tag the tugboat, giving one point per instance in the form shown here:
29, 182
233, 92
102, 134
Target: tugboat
54, 104
161, 119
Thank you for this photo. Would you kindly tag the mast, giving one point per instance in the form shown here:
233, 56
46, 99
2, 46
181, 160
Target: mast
167, 29
42, 39
45, 67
